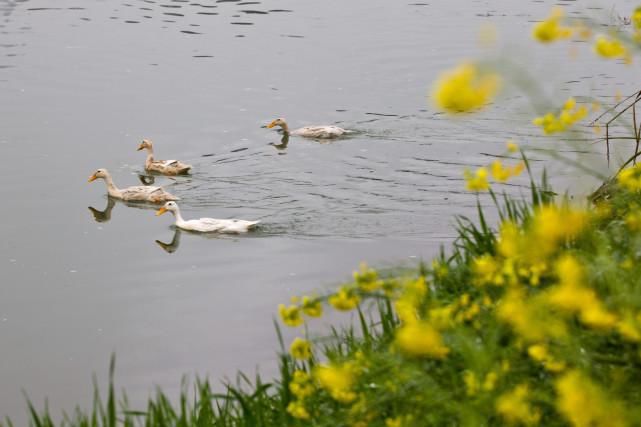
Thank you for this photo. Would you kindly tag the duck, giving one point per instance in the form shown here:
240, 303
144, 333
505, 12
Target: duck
165, 167
322, 132
139, 193
207, 225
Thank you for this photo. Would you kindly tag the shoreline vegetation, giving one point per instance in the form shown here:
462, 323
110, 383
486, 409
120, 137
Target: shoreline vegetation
535, 320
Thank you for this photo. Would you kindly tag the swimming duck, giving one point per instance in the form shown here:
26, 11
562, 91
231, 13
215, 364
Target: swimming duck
165, 167
139, 193
207, 225
324, 132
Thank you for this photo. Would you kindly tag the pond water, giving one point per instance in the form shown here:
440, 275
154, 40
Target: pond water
83, 81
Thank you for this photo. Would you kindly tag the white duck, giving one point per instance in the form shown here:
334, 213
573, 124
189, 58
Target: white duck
207, 225
165, 167
324, 132
139, 193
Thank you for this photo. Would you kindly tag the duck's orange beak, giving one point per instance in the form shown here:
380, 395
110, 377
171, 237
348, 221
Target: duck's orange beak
92, 178
271, 125
160, 211
141, 147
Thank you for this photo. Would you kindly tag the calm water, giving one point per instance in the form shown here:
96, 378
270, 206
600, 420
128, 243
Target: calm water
83, 81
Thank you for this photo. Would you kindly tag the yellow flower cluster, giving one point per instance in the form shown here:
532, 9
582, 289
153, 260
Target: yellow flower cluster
551, 29
573, 296
502, 173
568, 116
465, 88
292, 315
583, 403
297, 410
515, 408
337, 380
636, 18
541, 354
367, 279
630, 178
478, 181
421, 339
301, 349
610, 47
473, 385
301, 386
345, 299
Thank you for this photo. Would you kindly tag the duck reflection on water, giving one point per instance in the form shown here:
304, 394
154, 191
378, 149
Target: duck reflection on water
105, 214
172, 246
283, 143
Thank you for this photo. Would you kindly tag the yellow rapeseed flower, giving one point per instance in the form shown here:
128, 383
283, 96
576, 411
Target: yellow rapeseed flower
539, 352
301, 349
441, 317
290, 315
499, 173
551, 29
367, 279
465, 88
301, 384
510, 239
529, 318
337, 380
515, 408
633, 218
477, 181
421, 340
502, 173
344, 300
512, 147
636, 18
630, 178
471, 383
486, 270
584, 404
573, 296
490, 381
393, 422
610, 47
439, 268
297, 410
312, 307
553, 225
568, 116
629, 328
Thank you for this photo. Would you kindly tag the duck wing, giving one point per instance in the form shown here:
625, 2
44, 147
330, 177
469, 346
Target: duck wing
147, 194
319, 131
210, 225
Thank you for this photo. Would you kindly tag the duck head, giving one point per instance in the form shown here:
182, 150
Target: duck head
145, 144
100, 173
278, 122
168, 207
